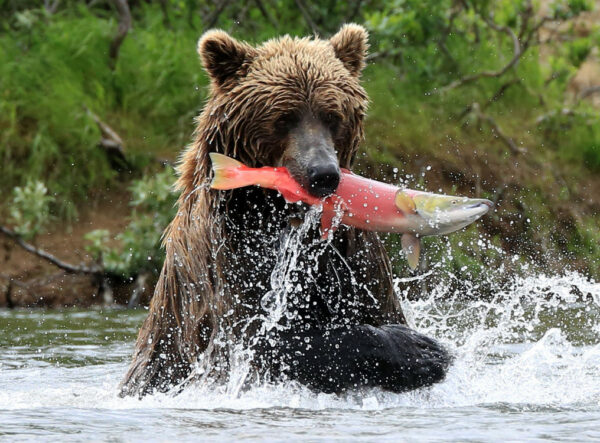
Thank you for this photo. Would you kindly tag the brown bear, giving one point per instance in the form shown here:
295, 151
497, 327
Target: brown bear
298, 103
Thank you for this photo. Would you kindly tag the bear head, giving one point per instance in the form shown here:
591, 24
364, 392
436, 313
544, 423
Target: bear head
293, 102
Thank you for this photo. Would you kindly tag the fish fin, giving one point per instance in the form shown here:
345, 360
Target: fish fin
327, 224
405, 203
346, 171
411, 246
289, 196
224, 170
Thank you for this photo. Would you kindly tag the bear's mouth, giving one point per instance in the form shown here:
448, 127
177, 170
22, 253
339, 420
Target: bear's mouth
323, 185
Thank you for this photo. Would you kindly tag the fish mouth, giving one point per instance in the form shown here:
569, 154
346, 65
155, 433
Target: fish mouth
472, 211
477, 209
485, 201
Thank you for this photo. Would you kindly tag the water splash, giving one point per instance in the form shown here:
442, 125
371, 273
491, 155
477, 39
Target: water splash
532, 344
275, 305
283, 284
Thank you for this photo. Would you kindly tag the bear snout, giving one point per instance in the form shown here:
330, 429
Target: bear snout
311, 157
323, 179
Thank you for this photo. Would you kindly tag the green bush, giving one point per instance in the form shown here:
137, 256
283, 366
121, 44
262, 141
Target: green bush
52, 67
30, 209
153, 207
578, 50
575, 136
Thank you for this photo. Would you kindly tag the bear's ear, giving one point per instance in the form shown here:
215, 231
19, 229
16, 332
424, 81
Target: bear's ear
350, 45
222, 56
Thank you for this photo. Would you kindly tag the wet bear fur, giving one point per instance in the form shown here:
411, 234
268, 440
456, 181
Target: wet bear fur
281, 103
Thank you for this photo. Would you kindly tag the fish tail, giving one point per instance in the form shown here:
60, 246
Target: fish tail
227, 172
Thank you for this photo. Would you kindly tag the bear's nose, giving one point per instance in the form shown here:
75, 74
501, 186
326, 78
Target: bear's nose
323, 179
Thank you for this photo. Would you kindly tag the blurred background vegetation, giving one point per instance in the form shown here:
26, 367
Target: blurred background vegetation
498, 99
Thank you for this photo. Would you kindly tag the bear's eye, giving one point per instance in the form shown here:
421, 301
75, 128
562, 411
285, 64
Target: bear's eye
332, 120
285, 123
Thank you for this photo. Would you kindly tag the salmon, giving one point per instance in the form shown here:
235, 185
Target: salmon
363, 203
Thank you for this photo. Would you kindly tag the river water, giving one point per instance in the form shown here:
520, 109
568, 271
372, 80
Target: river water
527, 367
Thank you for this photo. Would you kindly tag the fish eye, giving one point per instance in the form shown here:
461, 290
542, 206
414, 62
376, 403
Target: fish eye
454, 202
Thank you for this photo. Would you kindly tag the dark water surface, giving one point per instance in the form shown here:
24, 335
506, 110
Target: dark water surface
527, 368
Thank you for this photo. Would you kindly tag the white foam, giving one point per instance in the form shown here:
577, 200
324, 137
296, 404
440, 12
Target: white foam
535, 342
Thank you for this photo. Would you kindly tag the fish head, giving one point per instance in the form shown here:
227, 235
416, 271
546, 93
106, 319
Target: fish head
443, 214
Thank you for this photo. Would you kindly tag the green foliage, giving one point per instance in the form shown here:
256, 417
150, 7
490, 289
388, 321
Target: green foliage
97, 241
30, 209
585, 243
578, 50
46, 134
576, 136
139, 249
52, 65
565, 9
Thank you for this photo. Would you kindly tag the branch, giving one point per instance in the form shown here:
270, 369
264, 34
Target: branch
138, 290
509, 142
526, 15
110, 141
9, 289
375, 55
517, 53
536, 28
266, 14
499, 93
94, 270
12, 279
190, 7
499, 194
567, 112
311, 23
447, 31
51, 8
352, 12
521, 43
241, 17
587, 92
108, 133
113, 144
165, 11
212, 21
123, 29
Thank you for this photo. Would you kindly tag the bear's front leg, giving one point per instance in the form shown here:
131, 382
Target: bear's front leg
392, 357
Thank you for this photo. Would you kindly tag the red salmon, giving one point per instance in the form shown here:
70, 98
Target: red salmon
363, 203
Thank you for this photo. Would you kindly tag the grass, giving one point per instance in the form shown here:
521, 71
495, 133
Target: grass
52, 69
